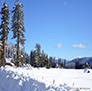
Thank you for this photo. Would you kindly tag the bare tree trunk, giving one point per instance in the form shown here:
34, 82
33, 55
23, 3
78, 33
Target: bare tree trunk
3, 56
18, 51
4, 49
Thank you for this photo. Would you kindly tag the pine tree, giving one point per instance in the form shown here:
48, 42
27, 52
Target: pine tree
37, 55
50, 61
18, 27
59, 62
32, 58
47, 63
64, 63
43, 63
4, 30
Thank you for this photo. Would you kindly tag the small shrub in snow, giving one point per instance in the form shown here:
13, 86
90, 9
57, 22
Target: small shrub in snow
88, 71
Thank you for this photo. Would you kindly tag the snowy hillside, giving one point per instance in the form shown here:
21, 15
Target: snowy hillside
41, 79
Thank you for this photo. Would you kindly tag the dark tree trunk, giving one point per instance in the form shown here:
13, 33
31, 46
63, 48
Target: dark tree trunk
18, 51
4, 49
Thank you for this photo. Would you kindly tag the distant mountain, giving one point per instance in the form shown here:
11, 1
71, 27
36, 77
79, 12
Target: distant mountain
82, 60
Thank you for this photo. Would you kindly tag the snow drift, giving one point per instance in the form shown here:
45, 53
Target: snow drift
10, 81
41, 79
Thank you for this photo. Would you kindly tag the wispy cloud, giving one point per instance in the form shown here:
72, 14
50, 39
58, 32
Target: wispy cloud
58, 45
64, 3
80, 46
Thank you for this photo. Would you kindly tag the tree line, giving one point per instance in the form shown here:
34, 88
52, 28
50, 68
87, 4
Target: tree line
40, 59
17, 28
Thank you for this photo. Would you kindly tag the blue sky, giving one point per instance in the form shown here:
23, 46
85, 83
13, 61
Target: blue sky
63, 28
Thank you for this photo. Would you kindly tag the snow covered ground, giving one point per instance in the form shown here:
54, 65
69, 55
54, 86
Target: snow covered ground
42, 79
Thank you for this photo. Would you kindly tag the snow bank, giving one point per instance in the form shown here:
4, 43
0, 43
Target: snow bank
10, 81
41, 79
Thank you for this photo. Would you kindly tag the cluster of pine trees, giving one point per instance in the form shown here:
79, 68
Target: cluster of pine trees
17, 27
38, 58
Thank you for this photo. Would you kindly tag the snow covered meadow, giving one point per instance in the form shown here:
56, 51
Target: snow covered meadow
42, 79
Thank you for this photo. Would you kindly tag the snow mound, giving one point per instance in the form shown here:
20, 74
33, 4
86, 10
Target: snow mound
33, 79
59, 88
10, 81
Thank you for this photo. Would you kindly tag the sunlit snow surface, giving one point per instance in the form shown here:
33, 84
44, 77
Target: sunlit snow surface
42, 79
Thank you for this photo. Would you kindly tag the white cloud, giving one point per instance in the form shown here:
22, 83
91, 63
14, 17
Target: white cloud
65, 3
79, 46
58, 45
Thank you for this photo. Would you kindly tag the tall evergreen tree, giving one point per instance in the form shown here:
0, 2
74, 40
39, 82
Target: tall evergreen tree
50, 61
4, 30
18, 27
35, 59
47, 63
59, 62
37, 55
31, 58
43, 63
64, 63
